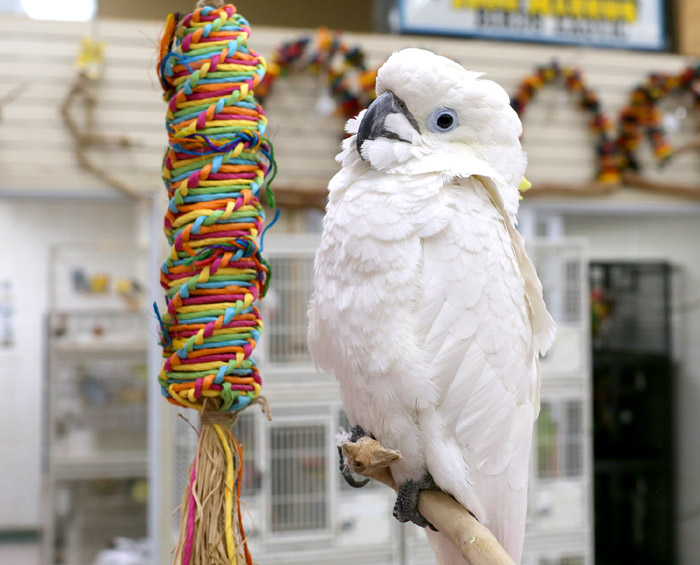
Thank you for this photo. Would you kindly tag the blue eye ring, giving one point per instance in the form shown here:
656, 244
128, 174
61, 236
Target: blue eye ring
442, 120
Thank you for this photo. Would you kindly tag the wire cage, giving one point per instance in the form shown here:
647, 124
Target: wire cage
88, 513
631, 307
97, 381
285, 308
293, 497
561, 560
633, 416
560, 431
95, 432
95, 400
101, 275
562, 271
102, 329
298, 509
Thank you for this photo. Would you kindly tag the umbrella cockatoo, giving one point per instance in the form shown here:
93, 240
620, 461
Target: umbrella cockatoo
426, 306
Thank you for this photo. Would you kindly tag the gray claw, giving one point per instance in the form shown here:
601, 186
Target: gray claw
347, 474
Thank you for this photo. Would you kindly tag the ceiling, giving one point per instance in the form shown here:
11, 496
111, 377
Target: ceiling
335, 14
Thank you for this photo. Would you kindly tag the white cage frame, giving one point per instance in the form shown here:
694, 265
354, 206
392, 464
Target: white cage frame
301, 396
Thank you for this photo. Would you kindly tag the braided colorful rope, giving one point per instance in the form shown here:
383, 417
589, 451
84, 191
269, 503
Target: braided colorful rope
213, 170
327, 53
642, 116
600, 125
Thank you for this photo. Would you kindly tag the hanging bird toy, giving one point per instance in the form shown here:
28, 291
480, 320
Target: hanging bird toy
214, 169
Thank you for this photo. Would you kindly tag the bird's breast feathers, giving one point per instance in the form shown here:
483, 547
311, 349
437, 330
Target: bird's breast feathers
383, 236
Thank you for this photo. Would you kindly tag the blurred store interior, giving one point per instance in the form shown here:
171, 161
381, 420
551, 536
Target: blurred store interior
609, 95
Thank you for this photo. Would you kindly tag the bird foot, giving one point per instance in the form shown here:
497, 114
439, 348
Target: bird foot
406, 507
355, 433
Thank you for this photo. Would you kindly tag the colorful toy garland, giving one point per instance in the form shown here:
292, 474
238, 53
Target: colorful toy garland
600, 126
643, 118
329, 47
214, 170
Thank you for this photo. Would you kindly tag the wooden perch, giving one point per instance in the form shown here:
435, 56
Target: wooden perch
640, 182
475, 542
686, 147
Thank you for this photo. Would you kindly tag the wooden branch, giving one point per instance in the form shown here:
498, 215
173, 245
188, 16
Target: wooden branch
691, 145
577, 190
10, 96
301, 198
635, 180
475, 542
289, 197
85, 137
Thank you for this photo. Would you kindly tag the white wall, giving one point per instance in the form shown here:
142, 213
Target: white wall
129, 105
675, 239
31, 228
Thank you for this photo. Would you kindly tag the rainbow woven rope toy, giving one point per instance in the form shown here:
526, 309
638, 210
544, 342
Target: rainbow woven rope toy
643, 119
327, 53
599, 124
214, 170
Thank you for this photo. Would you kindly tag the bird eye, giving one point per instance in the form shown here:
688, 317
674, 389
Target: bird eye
442, 120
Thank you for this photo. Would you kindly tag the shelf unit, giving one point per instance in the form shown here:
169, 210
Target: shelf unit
95, 433
95, 404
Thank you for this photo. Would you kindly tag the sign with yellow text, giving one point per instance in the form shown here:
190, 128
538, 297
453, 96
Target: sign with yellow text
636, 24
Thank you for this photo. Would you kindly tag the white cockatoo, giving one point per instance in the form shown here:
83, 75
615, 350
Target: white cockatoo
426, 306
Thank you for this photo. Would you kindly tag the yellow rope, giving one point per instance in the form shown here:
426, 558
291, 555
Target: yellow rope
228, 500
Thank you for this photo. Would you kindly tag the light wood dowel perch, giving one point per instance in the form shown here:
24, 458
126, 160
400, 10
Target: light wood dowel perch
477, 544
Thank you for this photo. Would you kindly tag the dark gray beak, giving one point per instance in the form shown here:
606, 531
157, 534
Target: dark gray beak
372, 125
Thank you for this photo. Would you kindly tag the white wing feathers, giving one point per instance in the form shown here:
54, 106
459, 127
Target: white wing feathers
481, 306
543, 326
477, 331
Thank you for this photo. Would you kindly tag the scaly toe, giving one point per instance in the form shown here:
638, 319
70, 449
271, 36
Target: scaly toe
406, 506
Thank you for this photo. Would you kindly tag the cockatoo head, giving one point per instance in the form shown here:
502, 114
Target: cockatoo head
432, 115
